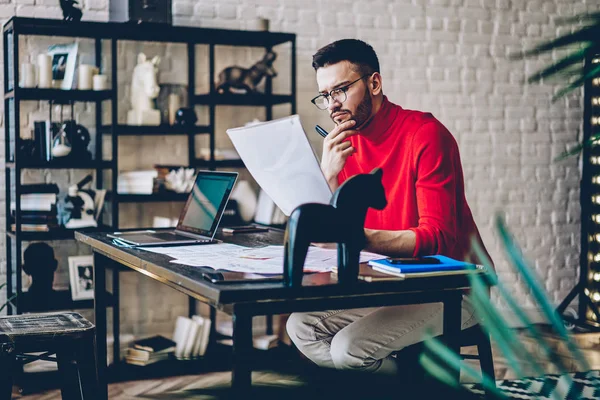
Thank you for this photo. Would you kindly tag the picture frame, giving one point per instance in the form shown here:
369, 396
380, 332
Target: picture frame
81, 276
64, 60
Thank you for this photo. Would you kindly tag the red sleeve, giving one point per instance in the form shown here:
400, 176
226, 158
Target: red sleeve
435, 157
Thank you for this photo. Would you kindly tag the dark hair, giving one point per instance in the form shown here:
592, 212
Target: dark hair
355, 51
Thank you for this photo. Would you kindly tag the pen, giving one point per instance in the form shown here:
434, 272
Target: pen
321, 131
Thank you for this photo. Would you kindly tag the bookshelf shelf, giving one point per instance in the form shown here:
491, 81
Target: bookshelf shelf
130, 130
54, 234
152, 198
65, 302
61, 164
59, 95
243, 99
200, 163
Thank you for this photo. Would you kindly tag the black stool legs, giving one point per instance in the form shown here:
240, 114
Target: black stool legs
77, 368
7, 366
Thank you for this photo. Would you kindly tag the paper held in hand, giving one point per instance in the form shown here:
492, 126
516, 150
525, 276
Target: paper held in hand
279, 156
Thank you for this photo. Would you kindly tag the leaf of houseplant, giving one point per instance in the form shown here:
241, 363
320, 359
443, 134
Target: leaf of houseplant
537, 292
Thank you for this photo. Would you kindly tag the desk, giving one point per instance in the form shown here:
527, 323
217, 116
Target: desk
246, 300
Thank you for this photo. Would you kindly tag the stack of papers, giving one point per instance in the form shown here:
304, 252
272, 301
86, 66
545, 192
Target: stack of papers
136, 182
263, 260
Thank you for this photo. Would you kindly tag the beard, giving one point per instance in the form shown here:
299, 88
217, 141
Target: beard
360, 116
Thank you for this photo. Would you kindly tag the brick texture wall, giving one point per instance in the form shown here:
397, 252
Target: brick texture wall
448, 57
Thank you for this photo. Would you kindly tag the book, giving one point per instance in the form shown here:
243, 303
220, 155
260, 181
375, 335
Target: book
203, 335
192, 336
435, 263
181, 334
131, 359
31, 227
155, 344
39, 188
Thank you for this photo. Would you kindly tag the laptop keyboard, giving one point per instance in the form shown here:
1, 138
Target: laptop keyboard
173, 236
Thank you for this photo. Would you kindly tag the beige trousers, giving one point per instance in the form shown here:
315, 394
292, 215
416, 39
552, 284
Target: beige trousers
364, 338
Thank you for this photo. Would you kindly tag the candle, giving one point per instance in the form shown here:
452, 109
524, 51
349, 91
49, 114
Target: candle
86, 72
100, 82
45, 70
27, 75
173, 107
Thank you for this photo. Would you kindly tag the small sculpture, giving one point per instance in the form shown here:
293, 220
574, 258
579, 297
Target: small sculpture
83, 212
70, 12
238, 78
144, 88
181, 180
186, 117
341, 221
40, 264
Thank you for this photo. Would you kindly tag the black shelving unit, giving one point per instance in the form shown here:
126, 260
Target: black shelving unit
114, 33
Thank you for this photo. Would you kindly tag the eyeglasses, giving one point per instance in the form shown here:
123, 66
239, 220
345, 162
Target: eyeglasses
339, 95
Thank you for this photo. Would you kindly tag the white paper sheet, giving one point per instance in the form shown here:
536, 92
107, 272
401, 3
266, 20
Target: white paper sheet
261, 260
279, 157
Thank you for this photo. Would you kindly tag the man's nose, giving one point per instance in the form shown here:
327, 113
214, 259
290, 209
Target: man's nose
333, 104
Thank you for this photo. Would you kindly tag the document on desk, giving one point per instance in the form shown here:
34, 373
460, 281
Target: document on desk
279, 156
262, 260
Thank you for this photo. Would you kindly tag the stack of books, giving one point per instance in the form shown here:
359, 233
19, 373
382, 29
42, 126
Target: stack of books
191, 336
136, 182
38, 208
43, 133
421, 266
150, 350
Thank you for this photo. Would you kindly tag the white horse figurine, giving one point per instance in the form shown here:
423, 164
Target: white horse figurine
144, 89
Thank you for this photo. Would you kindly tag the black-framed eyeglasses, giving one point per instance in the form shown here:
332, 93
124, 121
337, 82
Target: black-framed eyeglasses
338, 94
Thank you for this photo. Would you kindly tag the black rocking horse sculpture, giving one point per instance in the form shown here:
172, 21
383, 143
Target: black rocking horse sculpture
341, 221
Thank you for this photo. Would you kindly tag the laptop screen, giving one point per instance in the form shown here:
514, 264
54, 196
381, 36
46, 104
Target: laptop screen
206, 202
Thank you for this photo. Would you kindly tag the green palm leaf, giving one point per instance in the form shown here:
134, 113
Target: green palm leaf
532, 281
593, 17
580, 146
587, 34
595, 71
7, 301
521, 316
561, 66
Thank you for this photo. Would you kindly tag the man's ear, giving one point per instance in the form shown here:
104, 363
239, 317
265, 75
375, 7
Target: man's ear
376, 83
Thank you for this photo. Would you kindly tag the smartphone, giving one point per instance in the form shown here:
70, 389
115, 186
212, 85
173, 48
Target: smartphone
413, 260
244, 229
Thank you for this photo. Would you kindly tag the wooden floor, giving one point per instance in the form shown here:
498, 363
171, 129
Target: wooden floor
212, 385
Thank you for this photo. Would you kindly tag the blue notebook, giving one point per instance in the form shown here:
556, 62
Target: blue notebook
422, 264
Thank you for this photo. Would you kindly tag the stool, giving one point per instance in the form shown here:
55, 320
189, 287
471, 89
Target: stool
67, 335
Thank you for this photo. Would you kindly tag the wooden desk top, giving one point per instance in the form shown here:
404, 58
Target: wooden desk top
188, 279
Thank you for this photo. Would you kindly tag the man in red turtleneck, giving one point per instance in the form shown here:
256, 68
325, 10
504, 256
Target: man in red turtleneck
427, 212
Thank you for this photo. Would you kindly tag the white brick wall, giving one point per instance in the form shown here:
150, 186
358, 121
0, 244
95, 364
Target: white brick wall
448, 57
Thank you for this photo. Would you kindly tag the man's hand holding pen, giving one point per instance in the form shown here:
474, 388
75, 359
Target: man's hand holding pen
336, 149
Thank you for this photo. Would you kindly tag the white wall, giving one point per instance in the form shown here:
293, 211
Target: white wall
448, 57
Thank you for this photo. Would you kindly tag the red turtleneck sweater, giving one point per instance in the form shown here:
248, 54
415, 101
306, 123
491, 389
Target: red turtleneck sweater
422, 177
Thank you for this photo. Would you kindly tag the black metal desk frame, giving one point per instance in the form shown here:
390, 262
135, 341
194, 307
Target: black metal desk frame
244, 301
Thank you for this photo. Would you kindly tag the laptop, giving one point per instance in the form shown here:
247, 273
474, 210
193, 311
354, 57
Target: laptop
199, 218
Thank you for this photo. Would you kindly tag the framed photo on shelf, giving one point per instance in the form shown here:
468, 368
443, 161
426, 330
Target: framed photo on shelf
81, 275
64, 59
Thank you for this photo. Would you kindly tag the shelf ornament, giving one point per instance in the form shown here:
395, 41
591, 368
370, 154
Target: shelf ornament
70, 12
245, 80
144, 89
